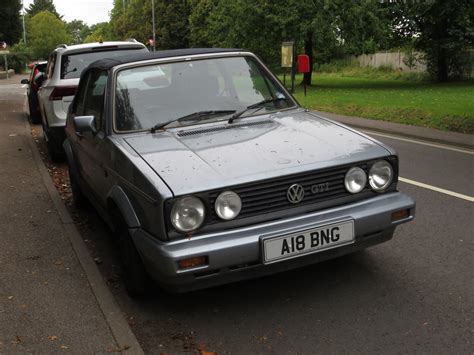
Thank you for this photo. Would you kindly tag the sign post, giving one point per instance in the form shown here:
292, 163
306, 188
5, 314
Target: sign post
4, 51
287, 50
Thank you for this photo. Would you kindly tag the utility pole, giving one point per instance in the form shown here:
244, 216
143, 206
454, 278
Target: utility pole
24, 30
153, 20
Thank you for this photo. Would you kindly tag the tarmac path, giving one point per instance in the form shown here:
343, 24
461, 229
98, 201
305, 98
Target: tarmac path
48, 301
411, 294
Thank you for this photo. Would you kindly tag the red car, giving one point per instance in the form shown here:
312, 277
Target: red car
32, 90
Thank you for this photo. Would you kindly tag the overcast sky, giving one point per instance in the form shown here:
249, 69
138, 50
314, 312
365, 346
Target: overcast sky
89, 11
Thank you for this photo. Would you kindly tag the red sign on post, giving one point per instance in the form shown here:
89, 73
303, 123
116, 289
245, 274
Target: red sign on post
303, 63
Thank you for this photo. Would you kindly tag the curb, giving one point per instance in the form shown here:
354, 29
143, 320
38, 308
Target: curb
120, 329
432, 135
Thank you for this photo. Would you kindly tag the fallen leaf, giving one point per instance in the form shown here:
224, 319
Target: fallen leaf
11, 297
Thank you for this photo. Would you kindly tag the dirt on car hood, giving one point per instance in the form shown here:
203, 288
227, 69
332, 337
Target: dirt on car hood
205, 157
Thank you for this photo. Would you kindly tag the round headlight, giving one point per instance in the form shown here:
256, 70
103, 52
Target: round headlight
380, 175
355, 180
187, 214
228, 205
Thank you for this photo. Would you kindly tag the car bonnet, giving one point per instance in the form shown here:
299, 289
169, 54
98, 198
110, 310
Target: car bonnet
205, 157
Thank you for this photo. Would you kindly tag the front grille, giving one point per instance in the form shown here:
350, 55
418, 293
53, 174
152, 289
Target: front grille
267, 200
271, 195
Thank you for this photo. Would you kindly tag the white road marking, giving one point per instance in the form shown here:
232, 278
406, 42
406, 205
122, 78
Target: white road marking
437, 189
434, 145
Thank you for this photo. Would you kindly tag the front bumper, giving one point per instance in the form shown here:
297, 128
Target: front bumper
236, 254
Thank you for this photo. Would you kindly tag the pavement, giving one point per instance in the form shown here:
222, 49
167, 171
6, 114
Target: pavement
52, 296
53, 299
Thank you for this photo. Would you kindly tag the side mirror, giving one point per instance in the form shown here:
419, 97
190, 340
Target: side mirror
83, 124
24, 81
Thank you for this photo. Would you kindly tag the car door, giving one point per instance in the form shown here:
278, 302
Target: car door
90, 147
45, 90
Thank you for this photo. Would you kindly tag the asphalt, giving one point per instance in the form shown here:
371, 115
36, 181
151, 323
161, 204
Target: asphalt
52, 297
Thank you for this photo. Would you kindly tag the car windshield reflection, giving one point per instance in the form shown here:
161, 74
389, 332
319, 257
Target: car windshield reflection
148, 96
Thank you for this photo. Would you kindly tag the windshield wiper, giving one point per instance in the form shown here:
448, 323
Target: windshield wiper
256, 105
191, 117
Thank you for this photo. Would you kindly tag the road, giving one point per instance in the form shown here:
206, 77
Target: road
412, 294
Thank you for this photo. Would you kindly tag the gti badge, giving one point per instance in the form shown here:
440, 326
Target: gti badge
317, 188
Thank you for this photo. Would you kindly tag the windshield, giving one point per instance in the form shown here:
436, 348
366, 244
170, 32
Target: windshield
72, 65
150, 95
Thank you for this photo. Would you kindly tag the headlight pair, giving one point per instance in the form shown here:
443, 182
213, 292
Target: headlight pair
380, 177
188, 213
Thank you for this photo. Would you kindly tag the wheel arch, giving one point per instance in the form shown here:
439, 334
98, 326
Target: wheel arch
118, 202
70, 157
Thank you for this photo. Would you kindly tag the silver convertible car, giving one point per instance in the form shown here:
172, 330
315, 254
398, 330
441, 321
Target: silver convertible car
208, 171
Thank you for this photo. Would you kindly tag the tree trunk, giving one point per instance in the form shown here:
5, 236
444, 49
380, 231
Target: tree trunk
442, 72
308, 49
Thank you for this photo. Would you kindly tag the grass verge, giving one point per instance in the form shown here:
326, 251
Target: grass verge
392, 96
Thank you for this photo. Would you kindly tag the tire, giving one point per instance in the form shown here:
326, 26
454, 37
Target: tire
136, 279
80, 200
54, 151
35, 117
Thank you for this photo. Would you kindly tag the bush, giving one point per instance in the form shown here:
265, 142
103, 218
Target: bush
19, 57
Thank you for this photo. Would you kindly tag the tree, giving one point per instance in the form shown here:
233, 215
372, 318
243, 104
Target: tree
443, 30
78, 31
42, 5
46, 32
133, 21
100, 32
10, 21
172, 28
199, 35
446, 32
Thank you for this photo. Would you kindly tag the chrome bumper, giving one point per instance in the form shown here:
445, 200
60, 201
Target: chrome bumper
236, 254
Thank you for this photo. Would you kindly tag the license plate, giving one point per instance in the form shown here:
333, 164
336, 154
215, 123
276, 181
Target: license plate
308, 241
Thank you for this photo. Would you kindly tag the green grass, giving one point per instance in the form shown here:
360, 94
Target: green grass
391, 96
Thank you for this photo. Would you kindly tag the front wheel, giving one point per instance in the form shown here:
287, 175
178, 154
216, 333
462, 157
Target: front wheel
80, 200
53, 146
35, 116
137, 280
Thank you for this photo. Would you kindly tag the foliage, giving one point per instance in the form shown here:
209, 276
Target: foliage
199, 35
46, 31
100, 32
412, 58
78, 31
444, 30
38, 6
172, 28
10, 21
132, 22
20, 56
323, 29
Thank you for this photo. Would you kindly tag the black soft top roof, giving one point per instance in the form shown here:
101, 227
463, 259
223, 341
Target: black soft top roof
108, 63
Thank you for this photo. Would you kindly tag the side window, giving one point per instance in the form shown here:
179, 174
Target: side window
51, 65
95, 96
79, 98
